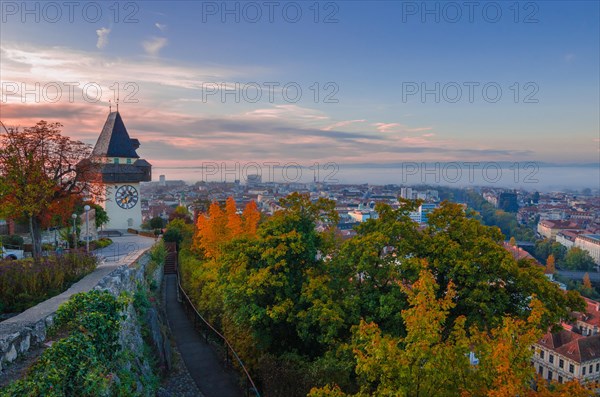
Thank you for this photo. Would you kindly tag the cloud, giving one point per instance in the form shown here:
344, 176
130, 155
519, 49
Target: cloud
154, 45
160, 26
386, 127
102, 37
342, 124
29, 64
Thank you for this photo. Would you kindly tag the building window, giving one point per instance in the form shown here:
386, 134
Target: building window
549, 375
542, 354
583, 370
128, 161
560, 379
591, 368
541, 370
116, 160
561, 363
571, 368
551, 358
598, 367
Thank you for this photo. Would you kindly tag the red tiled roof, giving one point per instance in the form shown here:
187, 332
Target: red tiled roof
572, 345
592, 315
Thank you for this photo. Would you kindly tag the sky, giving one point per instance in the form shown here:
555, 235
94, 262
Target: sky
353, 83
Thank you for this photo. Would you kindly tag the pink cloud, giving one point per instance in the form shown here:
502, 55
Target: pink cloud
342, 124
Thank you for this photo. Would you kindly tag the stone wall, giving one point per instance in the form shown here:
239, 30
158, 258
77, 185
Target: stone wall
17, 338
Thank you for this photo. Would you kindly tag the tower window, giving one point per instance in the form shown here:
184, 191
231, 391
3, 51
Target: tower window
116, 160
128, 161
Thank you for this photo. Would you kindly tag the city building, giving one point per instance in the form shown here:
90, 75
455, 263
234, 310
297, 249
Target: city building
567, 237
573, 352
548, 229
362, 215
591, 244
425, 209
406, 193
254, 179
507, 201
567, 355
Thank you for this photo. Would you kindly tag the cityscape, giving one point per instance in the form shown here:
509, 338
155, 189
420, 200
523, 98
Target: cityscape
281, 199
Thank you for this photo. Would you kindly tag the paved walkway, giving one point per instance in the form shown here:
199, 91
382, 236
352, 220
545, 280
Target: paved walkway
123, 250
201, 361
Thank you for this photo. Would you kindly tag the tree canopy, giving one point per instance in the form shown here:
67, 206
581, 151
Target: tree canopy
42, 172
398, 307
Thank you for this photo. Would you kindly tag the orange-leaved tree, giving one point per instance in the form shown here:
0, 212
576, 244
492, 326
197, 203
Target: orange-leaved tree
217, 227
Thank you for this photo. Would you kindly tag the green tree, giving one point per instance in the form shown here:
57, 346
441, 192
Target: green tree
578, 259
433, 358
278, 286
101, 215
178, 231
489, 282
182, 213
156, 223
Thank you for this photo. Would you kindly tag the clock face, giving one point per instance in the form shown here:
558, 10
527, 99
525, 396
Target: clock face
126, 197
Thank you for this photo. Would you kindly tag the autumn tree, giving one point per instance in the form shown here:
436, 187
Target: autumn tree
234, 220
40, 167
587, 283
550, 268
217, 227
250, 218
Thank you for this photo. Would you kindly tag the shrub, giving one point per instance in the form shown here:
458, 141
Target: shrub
158, 254
12, 240
26, 282
83, 363
101, 242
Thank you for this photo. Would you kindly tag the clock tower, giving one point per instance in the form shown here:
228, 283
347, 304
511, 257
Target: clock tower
120, 172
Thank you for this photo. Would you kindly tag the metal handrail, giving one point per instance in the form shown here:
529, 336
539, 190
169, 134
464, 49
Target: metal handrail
239, 360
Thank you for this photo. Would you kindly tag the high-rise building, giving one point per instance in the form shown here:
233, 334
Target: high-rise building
406, 193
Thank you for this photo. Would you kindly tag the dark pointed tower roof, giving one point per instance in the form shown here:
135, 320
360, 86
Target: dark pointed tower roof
114, 141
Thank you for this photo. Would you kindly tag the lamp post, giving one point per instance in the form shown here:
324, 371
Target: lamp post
74, 216
87, 228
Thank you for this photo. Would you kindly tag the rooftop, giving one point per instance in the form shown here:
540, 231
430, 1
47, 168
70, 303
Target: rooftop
114, 141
